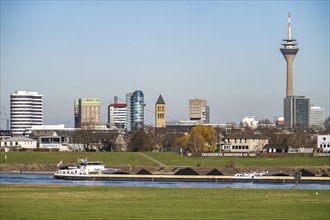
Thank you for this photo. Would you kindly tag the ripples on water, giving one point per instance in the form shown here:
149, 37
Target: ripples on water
19, 178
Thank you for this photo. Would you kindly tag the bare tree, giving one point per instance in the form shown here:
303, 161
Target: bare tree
169, 141
141, 141
90, 139
301, 138
327, 124
109, 140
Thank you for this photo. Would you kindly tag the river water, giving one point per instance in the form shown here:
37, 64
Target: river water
23, 178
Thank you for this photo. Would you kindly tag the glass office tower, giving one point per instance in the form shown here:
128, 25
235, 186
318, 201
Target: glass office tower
137, 110
296, 111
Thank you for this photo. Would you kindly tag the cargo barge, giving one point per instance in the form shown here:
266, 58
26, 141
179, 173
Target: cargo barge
96, 171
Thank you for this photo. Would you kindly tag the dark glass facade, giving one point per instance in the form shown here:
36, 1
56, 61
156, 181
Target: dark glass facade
296, 111
137, 110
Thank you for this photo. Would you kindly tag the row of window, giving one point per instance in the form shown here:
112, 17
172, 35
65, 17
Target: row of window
25, 103
12, 143
237, 140
26, 110
239, 147
161, 115
324, 145
161, 108
50, 140
24, 119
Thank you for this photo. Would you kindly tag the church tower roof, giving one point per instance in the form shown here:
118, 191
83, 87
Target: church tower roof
160, 100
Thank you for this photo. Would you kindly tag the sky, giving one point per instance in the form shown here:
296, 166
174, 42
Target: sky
226, 52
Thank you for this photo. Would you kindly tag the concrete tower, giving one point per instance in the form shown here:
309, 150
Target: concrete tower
289, 52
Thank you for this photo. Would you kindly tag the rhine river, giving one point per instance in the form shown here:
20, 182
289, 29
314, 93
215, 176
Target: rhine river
24, 178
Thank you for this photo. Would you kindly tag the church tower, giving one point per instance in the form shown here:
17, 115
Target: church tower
160, 110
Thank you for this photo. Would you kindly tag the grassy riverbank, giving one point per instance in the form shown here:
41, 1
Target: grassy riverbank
95, 202
109, 158
169, 159
174, 159
129, 161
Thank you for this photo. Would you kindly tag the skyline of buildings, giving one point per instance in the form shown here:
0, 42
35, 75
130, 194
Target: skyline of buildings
87, 112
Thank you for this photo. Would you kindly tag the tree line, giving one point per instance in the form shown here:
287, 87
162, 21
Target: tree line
200, 139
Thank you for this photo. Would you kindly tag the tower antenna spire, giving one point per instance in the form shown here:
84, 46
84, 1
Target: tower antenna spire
289, 27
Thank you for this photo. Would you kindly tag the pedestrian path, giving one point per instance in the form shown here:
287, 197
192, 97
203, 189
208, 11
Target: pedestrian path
152, 159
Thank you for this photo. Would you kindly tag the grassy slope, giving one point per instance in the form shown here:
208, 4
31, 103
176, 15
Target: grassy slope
94, 202
169, 159
173, 159
110, 159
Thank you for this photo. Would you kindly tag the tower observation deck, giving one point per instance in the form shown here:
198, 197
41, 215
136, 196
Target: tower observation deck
289, 51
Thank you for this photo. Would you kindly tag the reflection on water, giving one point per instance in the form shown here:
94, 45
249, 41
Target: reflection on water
23, 178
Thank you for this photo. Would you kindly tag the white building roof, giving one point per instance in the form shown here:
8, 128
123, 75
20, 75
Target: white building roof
18, 139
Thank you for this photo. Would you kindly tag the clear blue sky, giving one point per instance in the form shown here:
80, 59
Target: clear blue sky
226, 52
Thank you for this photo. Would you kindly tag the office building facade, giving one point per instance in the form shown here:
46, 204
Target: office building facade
134, 111
296, 111
26, 110
117, 115
87, 112
137, 110
128, 111
199, 110
316, 116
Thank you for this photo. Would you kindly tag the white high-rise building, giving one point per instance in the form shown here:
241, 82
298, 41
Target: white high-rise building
117, 115
26, 110
316, 116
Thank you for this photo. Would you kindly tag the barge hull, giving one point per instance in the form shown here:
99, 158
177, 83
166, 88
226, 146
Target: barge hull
191, 178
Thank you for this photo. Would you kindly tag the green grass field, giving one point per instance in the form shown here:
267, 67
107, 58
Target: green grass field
113, 158
173, 159
169, 159
106, 202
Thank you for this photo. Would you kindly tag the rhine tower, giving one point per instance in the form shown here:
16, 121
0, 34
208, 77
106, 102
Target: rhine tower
289, 51
296, 108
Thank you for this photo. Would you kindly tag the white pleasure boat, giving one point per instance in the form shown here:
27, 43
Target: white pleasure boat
85, 168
